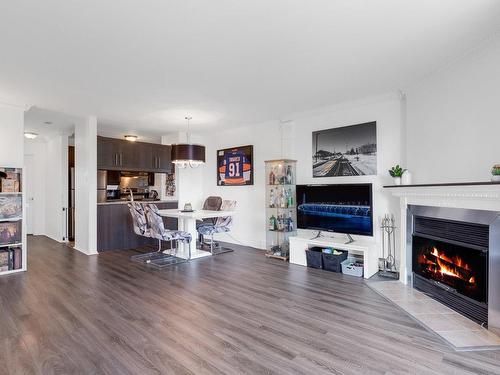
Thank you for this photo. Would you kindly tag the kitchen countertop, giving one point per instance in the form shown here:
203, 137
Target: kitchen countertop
138, 201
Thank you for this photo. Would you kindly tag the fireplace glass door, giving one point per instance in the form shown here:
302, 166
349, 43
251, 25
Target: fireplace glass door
463, 269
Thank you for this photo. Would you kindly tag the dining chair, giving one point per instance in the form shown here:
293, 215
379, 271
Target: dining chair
141, 228
158, 231
139, 220
221, 225
212, 203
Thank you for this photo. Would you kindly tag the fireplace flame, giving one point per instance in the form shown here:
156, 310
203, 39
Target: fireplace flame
453, 267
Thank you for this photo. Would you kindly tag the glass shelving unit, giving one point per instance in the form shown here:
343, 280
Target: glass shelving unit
281, 215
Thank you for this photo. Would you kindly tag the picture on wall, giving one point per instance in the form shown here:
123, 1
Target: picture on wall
235, 166
346, 151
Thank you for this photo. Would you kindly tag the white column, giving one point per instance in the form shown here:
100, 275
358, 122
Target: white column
12, 136
86, 186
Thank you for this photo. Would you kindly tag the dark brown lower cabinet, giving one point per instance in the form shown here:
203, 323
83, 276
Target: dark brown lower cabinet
115, 230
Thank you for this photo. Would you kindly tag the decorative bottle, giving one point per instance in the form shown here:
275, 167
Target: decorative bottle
290, 222
289, 177
272, 223
272, 177
283, 199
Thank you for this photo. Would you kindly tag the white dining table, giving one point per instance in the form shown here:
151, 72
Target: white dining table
187, 222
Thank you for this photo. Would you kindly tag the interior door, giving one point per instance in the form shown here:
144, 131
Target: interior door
29, 180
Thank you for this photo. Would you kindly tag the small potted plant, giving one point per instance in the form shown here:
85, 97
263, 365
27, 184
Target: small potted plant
495, 173
396, 173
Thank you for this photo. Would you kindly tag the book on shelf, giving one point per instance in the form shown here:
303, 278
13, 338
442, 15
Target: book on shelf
12, 183
11, 207
18, 258
11, 259
10, 233
4, 261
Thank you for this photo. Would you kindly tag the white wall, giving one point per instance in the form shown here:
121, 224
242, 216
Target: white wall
12, 136
250, 223
453, 120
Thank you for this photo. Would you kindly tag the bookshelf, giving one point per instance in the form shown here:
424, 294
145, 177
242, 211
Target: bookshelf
13, 254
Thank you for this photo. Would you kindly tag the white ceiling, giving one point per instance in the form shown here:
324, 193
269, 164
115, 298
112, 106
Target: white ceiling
48, 124
145, 64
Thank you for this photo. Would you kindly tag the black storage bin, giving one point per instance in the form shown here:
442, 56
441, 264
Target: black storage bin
314, 257
332, 262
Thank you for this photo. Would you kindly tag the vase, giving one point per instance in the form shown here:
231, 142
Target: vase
495, 178
406, 178
397, 180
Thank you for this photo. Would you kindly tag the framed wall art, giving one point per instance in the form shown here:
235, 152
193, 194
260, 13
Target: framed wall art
235, 166
345, 151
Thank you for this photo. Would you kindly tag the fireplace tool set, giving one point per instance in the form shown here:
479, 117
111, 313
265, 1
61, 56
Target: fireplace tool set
387, 264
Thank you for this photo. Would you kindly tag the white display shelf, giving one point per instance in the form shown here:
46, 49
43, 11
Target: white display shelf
18, 244
3, 273
19, 219
280, 206
11, 219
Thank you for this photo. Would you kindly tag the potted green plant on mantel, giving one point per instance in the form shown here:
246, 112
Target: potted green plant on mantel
495, 173
396, 173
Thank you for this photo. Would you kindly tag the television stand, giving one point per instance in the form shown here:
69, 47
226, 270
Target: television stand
367, 247
349, 239
318, 235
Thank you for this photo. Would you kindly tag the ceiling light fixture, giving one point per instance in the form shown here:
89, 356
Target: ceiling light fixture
188, 154
131, 138
30, 135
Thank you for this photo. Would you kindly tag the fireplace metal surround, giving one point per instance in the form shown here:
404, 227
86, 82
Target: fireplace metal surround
489, 218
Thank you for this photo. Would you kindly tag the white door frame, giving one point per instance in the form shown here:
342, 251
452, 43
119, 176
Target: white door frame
30, 203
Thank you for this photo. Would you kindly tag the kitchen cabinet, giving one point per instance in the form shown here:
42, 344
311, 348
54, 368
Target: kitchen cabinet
107, 153
161, 158
117, 154
116, 229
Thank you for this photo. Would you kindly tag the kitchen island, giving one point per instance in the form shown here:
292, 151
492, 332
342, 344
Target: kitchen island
115, 227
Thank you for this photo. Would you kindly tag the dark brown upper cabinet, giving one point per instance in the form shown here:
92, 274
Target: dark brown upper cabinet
161, 158
117, 154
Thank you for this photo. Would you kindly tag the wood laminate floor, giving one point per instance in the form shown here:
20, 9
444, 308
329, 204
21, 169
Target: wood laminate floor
235, 313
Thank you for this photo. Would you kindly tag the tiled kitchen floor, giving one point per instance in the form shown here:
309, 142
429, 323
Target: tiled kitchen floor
461, 332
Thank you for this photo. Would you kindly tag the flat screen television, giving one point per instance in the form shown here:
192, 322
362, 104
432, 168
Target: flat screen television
343, 208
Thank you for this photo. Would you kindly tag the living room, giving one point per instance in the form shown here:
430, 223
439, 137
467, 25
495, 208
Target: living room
386, 109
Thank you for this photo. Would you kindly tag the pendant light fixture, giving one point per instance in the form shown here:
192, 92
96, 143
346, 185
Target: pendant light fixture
188, 154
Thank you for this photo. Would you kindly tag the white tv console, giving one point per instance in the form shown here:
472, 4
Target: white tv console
367, 248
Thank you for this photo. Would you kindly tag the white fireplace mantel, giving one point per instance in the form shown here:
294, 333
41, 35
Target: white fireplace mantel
477, 196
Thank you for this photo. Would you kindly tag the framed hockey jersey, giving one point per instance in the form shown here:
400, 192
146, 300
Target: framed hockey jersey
235, 166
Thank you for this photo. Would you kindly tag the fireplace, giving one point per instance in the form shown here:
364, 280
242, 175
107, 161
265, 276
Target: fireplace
450, 263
